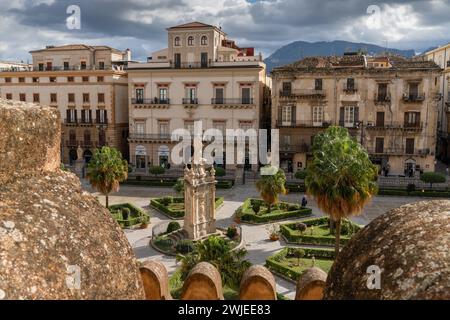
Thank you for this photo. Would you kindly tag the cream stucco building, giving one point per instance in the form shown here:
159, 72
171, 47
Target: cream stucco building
389, 105
87, 84
441, 56
201, 76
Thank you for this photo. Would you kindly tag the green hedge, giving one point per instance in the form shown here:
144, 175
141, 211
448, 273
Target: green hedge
158, 204
225, 184
246, 213
282, 269
293, 236
137, 215
151, 183
404, 193
295, 187
275, 265
222, 184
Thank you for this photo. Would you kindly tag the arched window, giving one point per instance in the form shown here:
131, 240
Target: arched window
204, 41
190, 41
177, 41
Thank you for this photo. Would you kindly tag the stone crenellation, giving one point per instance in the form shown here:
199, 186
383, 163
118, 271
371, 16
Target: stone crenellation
59, 242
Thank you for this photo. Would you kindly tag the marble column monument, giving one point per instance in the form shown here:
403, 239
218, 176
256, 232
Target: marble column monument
200, 195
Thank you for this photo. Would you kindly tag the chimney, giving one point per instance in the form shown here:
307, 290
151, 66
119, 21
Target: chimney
128, 55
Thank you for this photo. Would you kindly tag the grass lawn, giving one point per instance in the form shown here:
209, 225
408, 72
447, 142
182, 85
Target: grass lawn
305, 264
320, 231
176, 206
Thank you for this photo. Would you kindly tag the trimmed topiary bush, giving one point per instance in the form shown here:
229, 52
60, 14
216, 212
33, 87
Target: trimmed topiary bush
220, 172
136, 216
232, 232
433, 177
126, 212
156, 170
295, 236
301, 227
173, 226
280, 211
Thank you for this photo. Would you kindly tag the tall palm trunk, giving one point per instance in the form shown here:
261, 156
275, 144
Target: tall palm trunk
338, 237
107, 201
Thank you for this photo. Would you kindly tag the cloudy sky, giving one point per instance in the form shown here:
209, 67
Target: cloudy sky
265, 24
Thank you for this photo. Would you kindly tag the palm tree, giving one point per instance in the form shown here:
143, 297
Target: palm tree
270, 186
341, 177
217, 251
106, 170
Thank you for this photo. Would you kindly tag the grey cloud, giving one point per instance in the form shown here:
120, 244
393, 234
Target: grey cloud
266, 24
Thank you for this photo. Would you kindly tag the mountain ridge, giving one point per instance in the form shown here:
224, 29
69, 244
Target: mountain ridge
298, 50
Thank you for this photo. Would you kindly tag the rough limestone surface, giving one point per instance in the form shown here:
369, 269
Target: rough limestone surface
29, 139
258, 284
410, 245
156, 281
203, 283
56, 241
311, 284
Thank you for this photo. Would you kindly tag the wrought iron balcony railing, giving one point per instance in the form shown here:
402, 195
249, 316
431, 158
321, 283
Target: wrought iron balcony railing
150, 101
302, 124
190, 101
227, 101
413, 97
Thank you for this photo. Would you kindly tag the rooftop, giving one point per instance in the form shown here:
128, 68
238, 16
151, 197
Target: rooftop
353, 61
76, 47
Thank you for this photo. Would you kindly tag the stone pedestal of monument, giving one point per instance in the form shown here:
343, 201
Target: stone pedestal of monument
200, 195
79, 163
79, 168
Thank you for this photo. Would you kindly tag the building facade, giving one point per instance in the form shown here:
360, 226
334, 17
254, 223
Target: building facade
201, 76
88, 86
390, 107
441, 56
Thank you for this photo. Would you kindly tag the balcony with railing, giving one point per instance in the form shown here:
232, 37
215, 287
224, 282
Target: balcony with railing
190, 101
413, 98
350, 124
149, 137
74, 68
302, 124
299, 147
393, 125
382, 98
302, 94
350, 88
232, 101
85, 122
386, 151
154, 101
399, 151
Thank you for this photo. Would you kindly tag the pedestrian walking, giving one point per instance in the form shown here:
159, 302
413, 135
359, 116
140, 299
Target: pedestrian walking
304, 202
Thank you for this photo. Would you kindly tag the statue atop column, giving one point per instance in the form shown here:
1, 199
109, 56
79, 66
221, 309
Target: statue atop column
200, 198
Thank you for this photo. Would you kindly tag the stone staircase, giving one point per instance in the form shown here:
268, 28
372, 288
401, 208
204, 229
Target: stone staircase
177, 236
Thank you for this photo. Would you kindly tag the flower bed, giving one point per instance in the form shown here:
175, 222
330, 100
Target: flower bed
317, 232
137, 216
174, 207
281, 211
285, 263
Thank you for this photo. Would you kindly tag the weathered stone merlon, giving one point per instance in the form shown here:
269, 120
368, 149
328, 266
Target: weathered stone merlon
29, 139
